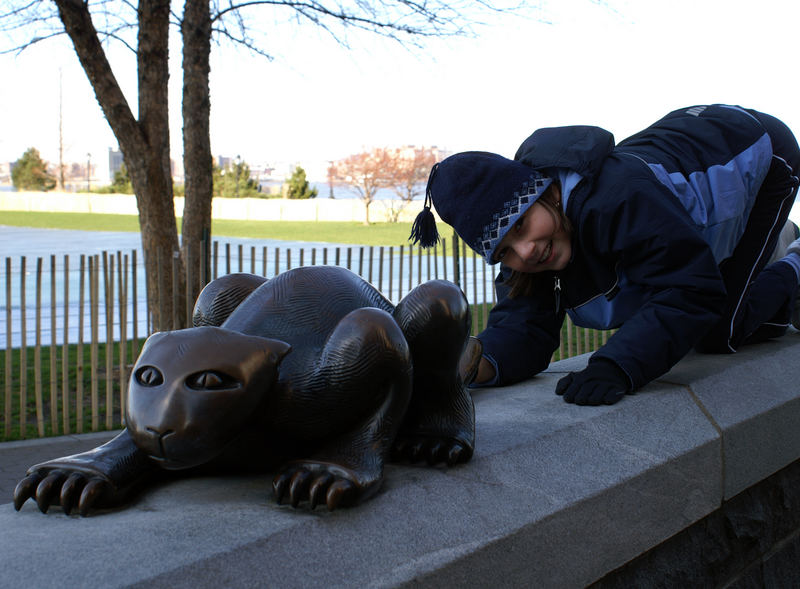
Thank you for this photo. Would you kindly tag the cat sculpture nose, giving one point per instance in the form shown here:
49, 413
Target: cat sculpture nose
152, 441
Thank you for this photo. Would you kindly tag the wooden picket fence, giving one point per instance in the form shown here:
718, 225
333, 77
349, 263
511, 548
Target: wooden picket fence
68, 354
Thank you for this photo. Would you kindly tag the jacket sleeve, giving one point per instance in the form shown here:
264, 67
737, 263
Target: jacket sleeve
658, 248
522, 332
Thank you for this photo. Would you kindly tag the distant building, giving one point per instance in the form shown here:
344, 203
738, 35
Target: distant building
115, 162
78, 176
441, 153
224, 162
5, 172
178, 173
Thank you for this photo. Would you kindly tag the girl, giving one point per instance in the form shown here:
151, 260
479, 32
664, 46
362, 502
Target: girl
665, 236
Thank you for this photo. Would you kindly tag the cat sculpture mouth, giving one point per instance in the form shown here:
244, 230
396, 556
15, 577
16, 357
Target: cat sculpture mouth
171, 449
159, 448
170, 461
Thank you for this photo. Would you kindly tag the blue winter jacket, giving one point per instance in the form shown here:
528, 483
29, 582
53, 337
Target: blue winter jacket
652, 218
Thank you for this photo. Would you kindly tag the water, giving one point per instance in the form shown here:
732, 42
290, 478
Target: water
55, 247
343, 192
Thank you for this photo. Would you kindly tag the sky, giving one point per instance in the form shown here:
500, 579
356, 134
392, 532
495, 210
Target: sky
619, 65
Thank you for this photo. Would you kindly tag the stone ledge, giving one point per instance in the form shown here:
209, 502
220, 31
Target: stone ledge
556, 496
752, 540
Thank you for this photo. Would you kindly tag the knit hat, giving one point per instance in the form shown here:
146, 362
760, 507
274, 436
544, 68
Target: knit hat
481, 195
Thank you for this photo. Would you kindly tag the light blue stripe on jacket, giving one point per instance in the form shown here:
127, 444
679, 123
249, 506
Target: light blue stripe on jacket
719, 199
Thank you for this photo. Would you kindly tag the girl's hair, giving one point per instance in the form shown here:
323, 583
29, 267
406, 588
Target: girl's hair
521, 283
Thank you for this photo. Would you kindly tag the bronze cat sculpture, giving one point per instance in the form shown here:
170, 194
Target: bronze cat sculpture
312, 374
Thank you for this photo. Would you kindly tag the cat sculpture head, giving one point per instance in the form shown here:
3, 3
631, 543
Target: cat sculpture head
193, 390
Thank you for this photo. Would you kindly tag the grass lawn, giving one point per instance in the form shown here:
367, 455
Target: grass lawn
386, 234
93, 413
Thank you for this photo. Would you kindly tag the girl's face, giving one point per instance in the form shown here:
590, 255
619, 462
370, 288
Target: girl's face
537, 242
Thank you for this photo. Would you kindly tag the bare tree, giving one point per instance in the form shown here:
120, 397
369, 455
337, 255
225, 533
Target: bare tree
197, 159
144, 139
413, 165
144, 142
406, 170
365, 173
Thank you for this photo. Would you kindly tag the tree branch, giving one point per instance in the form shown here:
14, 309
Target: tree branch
409, 22
433, 24
80, 28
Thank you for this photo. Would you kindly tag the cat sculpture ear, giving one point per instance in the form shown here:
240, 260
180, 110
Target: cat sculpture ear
276, 350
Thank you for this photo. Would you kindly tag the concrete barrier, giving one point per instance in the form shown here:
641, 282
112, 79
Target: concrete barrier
252, 209
555, 496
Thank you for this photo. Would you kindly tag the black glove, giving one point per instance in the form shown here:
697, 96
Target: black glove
602, 381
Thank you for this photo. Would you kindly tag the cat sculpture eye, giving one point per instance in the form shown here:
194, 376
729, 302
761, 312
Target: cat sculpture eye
149, 376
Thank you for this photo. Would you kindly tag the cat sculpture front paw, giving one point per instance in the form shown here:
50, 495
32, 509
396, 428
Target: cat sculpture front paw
60, 486
104, 477
318, 483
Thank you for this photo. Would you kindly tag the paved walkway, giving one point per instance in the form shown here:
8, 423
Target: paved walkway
17, 457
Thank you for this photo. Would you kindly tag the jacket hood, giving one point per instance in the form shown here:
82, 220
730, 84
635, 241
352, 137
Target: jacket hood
581, 148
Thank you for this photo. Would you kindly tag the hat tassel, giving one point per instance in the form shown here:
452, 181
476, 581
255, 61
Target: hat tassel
423, 230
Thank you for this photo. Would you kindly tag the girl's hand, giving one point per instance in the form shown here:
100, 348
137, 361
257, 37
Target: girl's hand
601, 382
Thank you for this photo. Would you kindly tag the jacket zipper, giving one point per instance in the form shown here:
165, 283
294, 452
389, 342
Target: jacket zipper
609, 294
557, 293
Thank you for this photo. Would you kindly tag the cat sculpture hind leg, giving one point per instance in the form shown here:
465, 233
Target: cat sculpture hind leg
220, 297
439, 425
366, 374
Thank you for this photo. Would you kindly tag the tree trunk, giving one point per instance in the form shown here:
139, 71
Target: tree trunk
197, 159
144, 143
